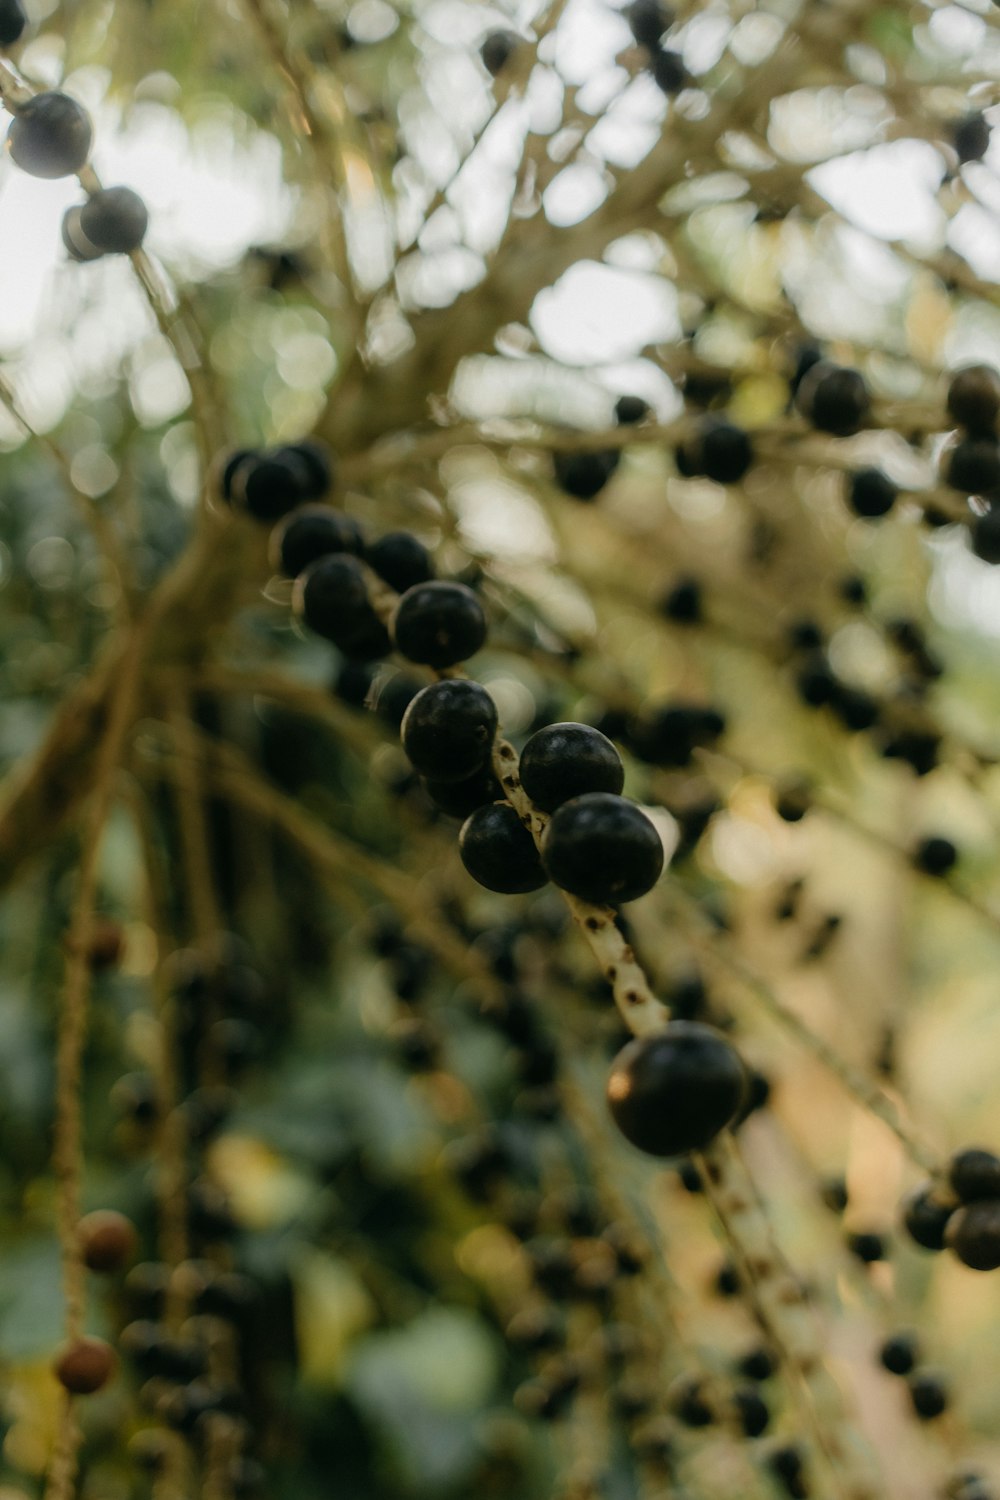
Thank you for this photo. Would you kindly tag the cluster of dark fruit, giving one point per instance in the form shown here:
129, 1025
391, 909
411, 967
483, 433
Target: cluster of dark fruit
51, 136
649, 21
971, 464
962, 1213
670, 1094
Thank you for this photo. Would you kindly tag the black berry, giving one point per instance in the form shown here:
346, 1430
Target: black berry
717, 449
668, 70
50, 136
985, 536
584, 475
331, 597
925, 1218
313, 458
683, 602
400, 560
834, 399
312, 532
602, 848
899, 1354
567, 760
268, 485
974, 398
935, 856
499, 852
631, 409
973, 466
12, 22
870, 493
648, 20
438, 624
868, 1247
971, 138
974, 1234
460, 798
974, 1174
114, 220
448, 730
497, 49
674, 1091
928, 1395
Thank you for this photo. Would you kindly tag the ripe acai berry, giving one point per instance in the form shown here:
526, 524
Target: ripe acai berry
315, 458
566, 760
973, 466
935, 856
928, 1395
50, 136
683, 602
925, 1218
833, 399
438, 624
331, 598
584, 475
648, 20
309, 533
631, 409
899, 1353
974, 1174
870, 493
602, 848
668, 735
668, 70
974, 398
460, 798
267, 485
114, 220
717, 449
400, 560
674, 1091
499, 852
971, 138
974, 1234
448, 730
496, 50
12, 22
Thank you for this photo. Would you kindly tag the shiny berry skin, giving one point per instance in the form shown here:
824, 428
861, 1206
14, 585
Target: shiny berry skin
925, 1218
834, 399
974, 398
448, 730
602, 848
899, 1353
267, 486
314, 458
935, 856
871, 494
497, 49
971, 138
928, 1395
674, 1091
331, 598
108, 1240
974, 1174
457, 799
974, 1234
985, 536
85, 1366
584, 475
438, 624
114, 220
12, 22
631, 409
309, 533
566, 760
499, 852
400, 560
50, 136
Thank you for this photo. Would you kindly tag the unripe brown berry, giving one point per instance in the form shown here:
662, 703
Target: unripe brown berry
108, 1240
85, 1366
